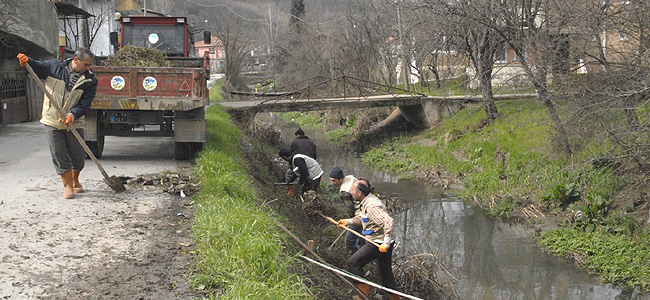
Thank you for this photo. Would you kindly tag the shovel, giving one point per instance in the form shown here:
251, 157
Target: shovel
112, 181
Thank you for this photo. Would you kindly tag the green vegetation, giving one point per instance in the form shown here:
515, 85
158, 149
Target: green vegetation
305, 119
509, 157
510, 164
239, 250
617, 259
338, 136
215, 91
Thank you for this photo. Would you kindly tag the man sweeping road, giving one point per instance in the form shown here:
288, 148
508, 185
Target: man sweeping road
73, 86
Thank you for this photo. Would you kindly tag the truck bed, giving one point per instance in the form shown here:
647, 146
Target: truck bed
150, 88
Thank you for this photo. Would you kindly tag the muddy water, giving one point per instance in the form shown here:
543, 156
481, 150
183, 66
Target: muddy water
490, 259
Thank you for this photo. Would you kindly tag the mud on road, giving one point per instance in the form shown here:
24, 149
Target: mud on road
99, 245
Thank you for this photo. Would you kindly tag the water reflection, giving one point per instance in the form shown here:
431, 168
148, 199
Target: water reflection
490, 259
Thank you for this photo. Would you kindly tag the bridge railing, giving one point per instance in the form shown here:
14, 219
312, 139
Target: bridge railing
319, 88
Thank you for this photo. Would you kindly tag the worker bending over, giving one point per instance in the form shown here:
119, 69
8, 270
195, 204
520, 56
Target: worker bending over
377, 226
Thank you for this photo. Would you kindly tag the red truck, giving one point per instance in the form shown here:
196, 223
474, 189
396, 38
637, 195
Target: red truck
152, 101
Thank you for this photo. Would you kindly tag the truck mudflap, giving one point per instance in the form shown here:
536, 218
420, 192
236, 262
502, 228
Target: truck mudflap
189, 133
93, 134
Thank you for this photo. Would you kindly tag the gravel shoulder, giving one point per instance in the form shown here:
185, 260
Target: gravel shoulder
99, 245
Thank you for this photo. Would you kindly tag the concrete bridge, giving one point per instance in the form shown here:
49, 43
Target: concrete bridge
418, 109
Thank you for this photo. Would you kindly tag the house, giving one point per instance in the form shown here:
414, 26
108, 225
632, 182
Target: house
215, 51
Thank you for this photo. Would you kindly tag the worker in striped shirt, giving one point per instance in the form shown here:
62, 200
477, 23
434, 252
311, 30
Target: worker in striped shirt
377, 226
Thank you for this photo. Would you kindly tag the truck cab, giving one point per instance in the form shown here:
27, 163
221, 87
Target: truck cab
169, 34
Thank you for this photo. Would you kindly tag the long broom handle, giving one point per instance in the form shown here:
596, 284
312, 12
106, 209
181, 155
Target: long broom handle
357, 278
350, 230
310, 251
62, 113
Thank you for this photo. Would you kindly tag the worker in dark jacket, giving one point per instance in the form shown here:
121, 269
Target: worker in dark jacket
301, 145
305, 168
73, 86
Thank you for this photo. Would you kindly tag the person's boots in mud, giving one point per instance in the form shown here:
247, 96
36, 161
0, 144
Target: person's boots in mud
76, 185
67, 178
364, 288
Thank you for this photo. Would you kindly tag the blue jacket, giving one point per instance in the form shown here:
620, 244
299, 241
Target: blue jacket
77, 101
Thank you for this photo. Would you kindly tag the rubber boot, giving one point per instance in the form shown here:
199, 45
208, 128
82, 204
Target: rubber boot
291, 191
393, 297
364, 288
67, 178
76, 185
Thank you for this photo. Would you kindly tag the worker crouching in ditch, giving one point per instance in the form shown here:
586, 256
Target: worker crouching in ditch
377, 226
305, 168
73, 86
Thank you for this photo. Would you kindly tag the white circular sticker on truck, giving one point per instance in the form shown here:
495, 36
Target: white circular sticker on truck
149, 83
117, 83
153, 38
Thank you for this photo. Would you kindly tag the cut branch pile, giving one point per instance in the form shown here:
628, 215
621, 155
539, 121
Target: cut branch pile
138, 56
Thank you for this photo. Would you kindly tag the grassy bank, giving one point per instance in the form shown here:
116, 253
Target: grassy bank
509, 169
239, 252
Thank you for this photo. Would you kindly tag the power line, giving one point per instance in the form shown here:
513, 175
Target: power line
263, 20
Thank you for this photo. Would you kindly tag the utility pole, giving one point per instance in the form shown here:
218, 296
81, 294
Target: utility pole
270, 65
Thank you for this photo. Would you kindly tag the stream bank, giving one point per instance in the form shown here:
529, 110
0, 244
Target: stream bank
511, 170
490, 258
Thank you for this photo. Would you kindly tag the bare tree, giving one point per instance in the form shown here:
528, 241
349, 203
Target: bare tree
472, 26
297, 15
232, 34
368, 47
103, 12
612, 54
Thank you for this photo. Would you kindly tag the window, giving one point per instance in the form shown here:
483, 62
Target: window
500, 55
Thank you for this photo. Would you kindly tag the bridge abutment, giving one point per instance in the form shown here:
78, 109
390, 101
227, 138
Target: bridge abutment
429, 112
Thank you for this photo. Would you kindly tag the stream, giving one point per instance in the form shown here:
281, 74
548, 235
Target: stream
491, 259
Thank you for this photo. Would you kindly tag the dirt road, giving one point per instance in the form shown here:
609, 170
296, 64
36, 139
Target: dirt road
99, 245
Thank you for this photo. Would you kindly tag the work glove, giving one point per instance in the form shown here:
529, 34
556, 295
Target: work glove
68, 119
22, 58
385, 245
290, 192
341, 223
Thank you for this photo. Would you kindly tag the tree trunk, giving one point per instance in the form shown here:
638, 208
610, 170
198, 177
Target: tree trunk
630, 113
561, 136
485, 77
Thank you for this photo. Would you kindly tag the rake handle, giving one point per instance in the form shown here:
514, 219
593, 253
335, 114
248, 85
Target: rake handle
350, 230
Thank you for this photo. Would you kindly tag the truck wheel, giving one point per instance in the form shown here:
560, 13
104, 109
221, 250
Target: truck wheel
195, 148
97, 147
182, 150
